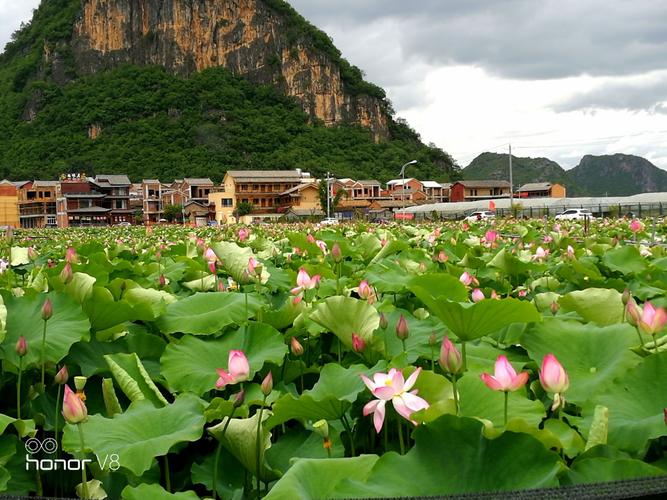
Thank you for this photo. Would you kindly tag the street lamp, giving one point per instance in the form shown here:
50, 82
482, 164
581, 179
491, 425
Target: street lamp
413, 162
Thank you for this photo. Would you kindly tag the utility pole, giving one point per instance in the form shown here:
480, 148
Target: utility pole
328, 197
511, 181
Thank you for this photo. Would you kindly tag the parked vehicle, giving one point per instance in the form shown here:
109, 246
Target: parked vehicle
330, 221
480, 215
575, 214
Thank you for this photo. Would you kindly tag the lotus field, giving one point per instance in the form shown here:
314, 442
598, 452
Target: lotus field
295, 361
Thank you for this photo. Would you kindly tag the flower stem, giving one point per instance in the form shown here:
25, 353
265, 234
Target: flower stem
55, 423
167, 476
432, 359
346, 424
247, 319
507, 395
43, 352
84, 479
404, 348
456, 394
464, 356
217, 454
400, 436
641, 340
18, 389
259, 448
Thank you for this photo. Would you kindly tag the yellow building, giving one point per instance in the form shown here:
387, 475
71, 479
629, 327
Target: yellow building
270, 192
9, 204
542, 190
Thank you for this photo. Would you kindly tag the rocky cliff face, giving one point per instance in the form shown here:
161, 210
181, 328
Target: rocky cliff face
246, 36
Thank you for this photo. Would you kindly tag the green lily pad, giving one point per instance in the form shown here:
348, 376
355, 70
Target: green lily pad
207, 313
599, 305
199, 358
140, 434
592, 356
344, 316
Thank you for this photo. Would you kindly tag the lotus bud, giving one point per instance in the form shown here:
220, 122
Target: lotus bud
66, 274
296, 347
74, 409
80, 382
553, 376
239, 399
321, 427
477, 295
554, 307
310, 238
632, 313
364, 290
358, 344
62, 376
466, 278
402, 329
70, 256
625, 298
383, 321
450, 360
267, 384
162, 281
432, 339
21, 346
442, 257
47, 310
422, 267
32, 253
336, 253
221, 286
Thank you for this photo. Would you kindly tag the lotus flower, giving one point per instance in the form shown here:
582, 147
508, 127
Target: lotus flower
636, 226
304, 282
21, 346
238, 367
358, 344
322, 246
336, 253
243, 234
254, 266
296, 347
402, 328
364, 290
553, 376
74, 409
62, 376
652, 319
490, 237
477, 295
466, 278
442, 257
505, 377
393, 387
451, 360
70, 256
310, 238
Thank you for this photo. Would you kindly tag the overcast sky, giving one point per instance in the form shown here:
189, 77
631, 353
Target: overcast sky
556, 78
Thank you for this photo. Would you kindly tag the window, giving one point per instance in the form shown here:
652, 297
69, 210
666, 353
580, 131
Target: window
119, 204
51, 220
226, 202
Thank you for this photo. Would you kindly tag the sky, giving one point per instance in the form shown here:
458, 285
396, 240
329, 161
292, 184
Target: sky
553, 78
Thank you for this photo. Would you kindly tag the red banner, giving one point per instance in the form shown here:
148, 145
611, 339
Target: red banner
492, 205
404, 216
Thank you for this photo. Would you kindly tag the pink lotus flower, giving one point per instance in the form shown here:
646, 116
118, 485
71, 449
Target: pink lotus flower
540, 254
570, 252
652, 320
358, 344
505, 377
74, 409
310, 238
490, 237
451, 360
477, 295
322, 246
243, 234
393, 387
305, 282
466, 278
442, 257
70, 256
210, 255
239, 370
254, 266
364, 290
636, 226
553, 376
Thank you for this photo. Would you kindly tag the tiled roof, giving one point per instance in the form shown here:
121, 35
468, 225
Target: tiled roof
484, 184
431, 184
191, 181
112, 180
536, 186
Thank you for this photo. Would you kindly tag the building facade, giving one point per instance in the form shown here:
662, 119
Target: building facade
479, 190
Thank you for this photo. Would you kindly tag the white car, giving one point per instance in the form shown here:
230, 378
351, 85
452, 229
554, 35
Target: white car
329, 221
480, 215
575, 214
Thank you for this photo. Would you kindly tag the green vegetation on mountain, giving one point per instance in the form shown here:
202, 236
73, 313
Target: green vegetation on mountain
618, 175
148, 123
495, 166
